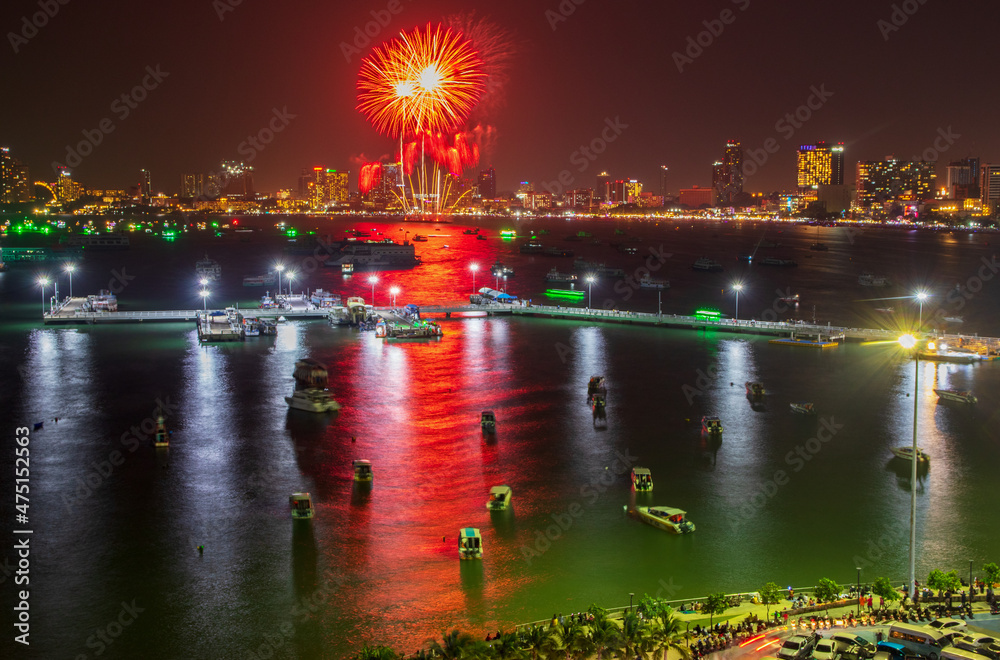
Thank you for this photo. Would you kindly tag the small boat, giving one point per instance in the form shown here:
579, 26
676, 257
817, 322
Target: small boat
959, 396
803, 408
642, 480
488, 421
499, 498
302, 507
953, 319
819, 247
791, 300
347, 269
886, 310
162, 438
650, 282
481, 237
754, 389
312, 400
532, 247
555, 276
597, 385
499, 270
418, 238
711, 425
471, 231
706, 264
665, 518
470, 543
906, 453
363, 470
867, 279
598, 404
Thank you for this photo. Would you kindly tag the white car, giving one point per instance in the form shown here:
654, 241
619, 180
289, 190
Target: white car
796, 647
946, 624
826, 649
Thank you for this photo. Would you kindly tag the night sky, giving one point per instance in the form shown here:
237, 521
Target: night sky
887, 90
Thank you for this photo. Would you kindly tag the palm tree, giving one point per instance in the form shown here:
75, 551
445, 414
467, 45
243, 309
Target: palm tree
508, 647
553, 645
635, 636
454, 646
578, 641
376, 653
605, 635
533, 639
668, 634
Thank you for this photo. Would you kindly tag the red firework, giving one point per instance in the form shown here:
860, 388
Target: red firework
369, 177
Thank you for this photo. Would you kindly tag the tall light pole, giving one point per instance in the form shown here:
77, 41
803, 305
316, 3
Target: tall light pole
373, 280
204, 300
590, 301
739, 287
630, 601
473, 268
279, 268
69, 269
921, 297
394, 291
290, 277
859, 590
659, 304
908, 342
43, 282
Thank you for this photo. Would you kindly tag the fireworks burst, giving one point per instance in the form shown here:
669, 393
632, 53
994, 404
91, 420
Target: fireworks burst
427, 80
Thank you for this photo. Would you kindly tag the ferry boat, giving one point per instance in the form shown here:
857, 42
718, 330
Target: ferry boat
771, 261
419, 330
532, 247
104, 301
260, 280
959, 396
704, 263
363, 470
642, 479
650, 282
906, 453
302, 507
754, 389
803, 408
555, 276
499, 498
162, 437
598, 269
666, 518
322, 298
208, 269
819, 247
597, 385
310, 393
488, 421
867, 279
499, 270
711, 425
379, 254
419, 238
470, 543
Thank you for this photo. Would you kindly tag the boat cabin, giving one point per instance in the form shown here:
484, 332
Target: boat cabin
598, 404
642, 479
302, 508
711, 425
803, 408
162, 438
488, 421
596, 385
470, 543
363, 470
754, 389
499, 498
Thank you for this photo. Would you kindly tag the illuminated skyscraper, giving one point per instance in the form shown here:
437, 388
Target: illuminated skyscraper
67, 190
192, 185
727, 174
626, 191
990, 184
327, 186
890, 180
488, 184
603, 190
663, 181
820, 164
235, 180
13, 179
145, 187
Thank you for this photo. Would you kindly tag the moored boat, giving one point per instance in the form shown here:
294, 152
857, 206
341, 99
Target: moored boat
162, 437
642, 479
499, 498
650, 282
470, 543
754, 389
906, 453
555, 276
959, 396
803, 408
363, 470
488, 421
704, 263
310, 393
711, 425
666, 518
301, 504
598, 404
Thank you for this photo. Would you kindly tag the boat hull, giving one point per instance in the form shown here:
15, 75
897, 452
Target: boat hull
684, 528
314, 402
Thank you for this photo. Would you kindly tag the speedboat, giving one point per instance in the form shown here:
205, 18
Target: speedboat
312, 399
363, 470
597, 385
960, 396
162, 438
711, 425
499, 498
803, 408
906, 453
754, 389
470, 543
704, 263
665, 518
302, 508
642, 480
488, 421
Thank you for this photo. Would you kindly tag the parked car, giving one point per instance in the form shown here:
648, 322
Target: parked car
826, 649
979, 650
858, 640
797, 647
947, 623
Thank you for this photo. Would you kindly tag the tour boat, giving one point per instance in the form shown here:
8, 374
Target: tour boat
208, 269
960, 396
642, 480
555, 276
754, 389
711, 425
867, 279
310, 393
251, 326
597, 385
792, 300
488, 421
906, 453
363, 470
666, 518
704, 263
302, 506
499, 498
649, 282
803, 408
162, 438
470, 543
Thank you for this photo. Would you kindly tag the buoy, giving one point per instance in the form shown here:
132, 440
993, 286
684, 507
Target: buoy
442, 539
352, 439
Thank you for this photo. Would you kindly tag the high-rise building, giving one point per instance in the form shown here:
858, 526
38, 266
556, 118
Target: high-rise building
990, 184
236, 180
820, 164
626, 191
603, 190
67, 190
145, 187
727, 174
893, 180
192, 185
580, 199
488, 184
14, 186
663, 181
326, 186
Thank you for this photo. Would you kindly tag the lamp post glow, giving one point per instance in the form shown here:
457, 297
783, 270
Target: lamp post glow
474, 268
290, 276
373, 280
908, 342
394, 291
69, 269
739, 287
204, 300
921, 297
43, 282
590, 292
279, 268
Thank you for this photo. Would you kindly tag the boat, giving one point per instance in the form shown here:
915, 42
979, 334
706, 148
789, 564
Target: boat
375, 254
471, 231
260, 280
251, 326
302, 506
599, 269
819, 247
959, 396
281, 319
97, 241
754, 389
791, 300
649, 282
803, 408
906, 453
867, 279
310, 393
418, 330
958, 356
162, 437
499, 498
597, 385
953, 319
711, 425
628, 249
268, 326
480, 237
419, 238
598, 404
584, 234
886, 310
362, 470
499, 270
666, 518
771, 261
557, 252
555, 276
642, 479
346, 269
532, 247
704, 263
322, 298
488, 421
470, 543
208, 269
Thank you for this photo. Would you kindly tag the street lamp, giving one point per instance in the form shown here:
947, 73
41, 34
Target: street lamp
373, 280
739, 287
394, 291
204, 299
859, 590
473, 268
921, 297
630, 602
203, 282
69, 269
290, 276
908, 342
43, 282
590, 301
279, 268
